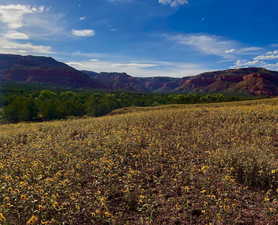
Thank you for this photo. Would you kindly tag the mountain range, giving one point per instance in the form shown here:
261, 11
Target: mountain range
46, 70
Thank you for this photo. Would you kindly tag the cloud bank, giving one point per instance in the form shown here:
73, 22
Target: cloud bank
12, 15
12, 21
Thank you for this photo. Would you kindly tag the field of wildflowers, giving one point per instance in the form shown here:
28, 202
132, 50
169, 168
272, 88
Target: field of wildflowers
208, 164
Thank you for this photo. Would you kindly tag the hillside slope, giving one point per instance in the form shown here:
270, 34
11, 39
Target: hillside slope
188, 165
34, 69
254, 81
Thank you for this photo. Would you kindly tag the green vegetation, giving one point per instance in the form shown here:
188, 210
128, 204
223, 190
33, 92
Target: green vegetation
31, 103
172, 165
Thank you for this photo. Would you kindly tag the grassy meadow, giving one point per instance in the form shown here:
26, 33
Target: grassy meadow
208, 164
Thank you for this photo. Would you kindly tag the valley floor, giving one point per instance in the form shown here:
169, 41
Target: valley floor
179, 164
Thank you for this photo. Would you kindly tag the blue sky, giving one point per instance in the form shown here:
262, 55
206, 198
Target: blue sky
144, 37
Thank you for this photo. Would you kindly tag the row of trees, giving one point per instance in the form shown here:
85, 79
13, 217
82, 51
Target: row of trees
41, 105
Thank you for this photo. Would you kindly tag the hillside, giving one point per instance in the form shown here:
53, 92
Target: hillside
190, 164
255, 81
123, 81
33, 69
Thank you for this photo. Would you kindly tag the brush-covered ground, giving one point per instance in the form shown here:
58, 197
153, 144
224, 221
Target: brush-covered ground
173, 165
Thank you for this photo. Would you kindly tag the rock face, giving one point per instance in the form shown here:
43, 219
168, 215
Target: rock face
254, 81
34, 69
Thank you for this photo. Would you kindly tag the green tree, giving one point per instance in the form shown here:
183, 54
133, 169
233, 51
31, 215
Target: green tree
48, 105
21, 109
71, 104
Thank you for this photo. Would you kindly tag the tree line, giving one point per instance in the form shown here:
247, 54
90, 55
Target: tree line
43, 105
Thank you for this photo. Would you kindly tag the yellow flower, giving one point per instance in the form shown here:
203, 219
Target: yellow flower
186, 188
33, 220
55, 204
204, 168
211, 196
9, 205
107, 214
2, 217
23, 197
22, 183
48, 221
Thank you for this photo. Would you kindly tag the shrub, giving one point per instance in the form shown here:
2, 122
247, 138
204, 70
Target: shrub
250, 166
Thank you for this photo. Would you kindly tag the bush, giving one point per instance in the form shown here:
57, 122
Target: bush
252, 167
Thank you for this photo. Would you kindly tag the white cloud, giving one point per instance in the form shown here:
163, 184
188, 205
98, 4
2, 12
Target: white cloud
207, 44
266, 57
230, 51
271, 66
255, 63
275, 52
271, 55
244, 51
83, 33
82, 18
13, 23
142, 69
45, 26
173, 3
15, 19
260, 61
214, 45
16, 35
88, 55
12, 15
36, 23
11, 47
246, 63
249, 50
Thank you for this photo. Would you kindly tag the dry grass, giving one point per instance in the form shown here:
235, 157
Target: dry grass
199, 164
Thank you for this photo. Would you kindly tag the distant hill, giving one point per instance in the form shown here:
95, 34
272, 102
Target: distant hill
123, 81
254, 81
34, 69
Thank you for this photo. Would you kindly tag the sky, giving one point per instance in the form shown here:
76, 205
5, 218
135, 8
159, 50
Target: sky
143, 38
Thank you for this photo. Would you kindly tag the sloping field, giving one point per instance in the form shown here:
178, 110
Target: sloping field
191, 164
